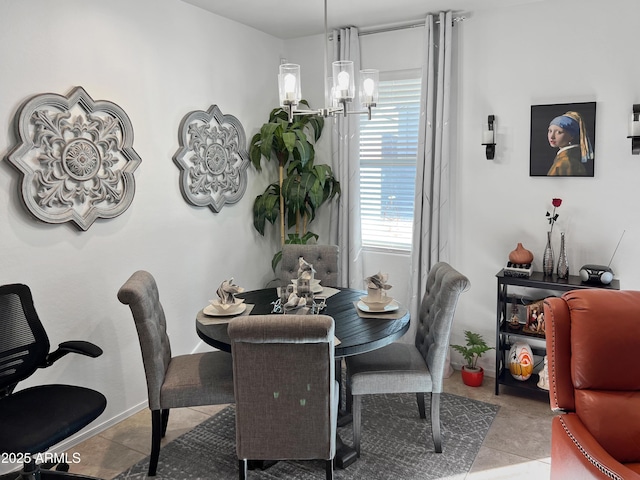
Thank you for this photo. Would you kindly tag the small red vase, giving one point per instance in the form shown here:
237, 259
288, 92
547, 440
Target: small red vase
472, 378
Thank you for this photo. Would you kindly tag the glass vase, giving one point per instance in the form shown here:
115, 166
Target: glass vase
547, 258
563, 261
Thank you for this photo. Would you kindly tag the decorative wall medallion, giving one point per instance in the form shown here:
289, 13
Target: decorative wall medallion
213, 159
76, 158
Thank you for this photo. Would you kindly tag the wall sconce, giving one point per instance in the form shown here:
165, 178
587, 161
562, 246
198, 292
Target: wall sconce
634, 130
489, 137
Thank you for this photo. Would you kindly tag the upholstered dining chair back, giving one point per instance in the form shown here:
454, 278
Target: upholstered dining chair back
172, 381
437, 311
411, 368
141, 294
285, 388
324, 259
592, 338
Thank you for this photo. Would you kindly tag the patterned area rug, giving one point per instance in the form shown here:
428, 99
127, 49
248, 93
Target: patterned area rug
396, 444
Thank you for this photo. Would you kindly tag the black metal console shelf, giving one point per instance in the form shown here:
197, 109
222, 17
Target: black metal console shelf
505, 336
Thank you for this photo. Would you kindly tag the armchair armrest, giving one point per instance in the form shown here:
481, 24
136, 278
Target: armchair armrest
74, 346
575, 453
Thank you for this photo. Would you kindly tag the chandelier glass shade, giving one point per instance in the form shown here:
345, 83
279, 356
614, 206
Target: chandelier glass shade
340, 87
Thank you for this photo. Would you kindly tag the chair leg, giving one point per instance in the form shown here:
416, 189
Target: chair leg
338, 373
156, 435
349, 398
329, 468
435, 421
357, 408
421, 409
165, 421
242, 469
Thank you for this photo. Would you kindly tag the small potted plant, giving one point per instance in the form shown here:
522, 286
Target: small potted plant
472, 375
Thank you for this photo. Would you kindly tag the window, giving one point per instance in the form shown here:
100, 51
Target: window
388, 151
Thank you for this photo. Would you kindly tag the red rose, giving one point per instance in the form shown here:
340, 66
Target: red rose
556, 202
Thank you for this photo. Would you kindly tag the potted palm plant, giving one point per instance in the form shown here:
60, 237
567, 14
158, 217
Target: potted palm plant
472, 374
302, 186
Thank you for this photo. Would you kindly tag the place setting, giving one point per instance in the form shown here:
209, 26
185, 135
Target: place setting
377, 303
224, 308
304, 294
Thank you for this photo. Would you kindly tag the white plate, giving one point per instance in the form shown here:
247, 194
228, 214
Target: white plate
214, 312
377, 304
390, 307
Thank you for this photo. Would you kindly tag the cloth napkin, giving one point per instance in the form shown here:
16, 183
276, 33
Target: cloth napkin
305, 269
294, 302
378, 281
227, 292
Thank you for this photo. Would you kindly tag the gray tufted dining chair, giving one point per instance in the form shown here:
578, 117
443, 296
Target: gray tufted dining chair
411, 368
172, 381
324, 259
285, 388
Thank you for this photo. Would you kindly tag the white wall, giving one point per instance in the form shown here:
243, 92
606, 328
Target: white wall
544, 53
158, 60
508, 60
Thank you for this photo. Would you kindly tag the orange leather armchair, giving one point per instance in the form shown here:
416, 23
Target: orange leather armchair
593, 348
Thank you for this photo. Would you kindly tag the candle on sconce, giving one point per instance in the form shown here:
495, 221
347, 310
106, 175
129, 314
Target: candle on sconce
488, 137
634, 127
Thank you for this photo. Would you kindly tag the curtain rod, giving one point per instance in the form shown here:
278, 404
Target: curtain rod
404, 26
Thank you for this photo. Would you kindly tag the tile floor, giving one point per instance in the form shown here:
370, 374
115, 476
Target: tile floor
518, 444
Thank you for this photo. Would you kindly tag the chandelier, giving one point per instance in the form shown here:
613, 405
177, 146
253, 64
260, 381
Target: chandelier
339, 89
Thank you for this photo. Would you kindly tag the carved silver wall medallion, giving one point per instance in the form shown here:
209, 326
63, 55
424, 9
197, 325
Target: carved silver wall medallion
76, 158
213, 159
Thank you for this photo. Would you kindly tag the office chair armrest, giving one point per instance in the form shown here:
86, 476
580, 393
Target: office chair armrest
73, 346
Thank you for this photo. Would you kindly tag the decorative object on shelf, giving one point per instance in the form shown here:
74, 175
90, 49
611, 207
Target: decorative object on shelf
472, 374
535, 319
213, 159
518, 270
521, 361
377, 286
521, 255
634, 130
563, 261
543, 380
599, 274
489, 137
596, 274
76, 158
514, 318
547, 258
342, 88
519, 264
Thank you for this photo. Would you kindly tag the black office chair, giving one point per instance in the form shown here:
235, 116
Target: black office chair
34, 419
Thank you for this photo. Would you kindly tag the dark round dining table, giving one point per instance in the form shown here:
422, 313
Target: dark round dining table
357, 335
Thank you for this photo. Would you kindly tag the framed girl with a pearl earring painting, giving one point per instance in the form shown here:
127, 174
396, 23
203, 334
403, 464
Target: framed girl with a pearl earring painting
563, 140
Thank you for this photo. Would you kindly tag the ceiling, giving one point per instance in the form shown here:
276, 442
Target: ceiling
299, 18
